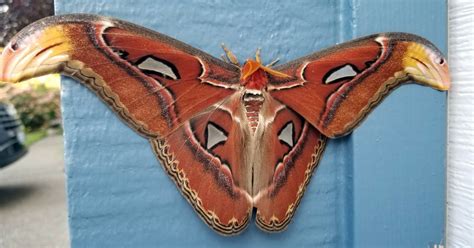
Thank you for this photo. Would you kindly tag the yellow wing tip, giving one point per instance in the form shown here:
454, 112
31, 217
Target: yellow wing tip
426, 66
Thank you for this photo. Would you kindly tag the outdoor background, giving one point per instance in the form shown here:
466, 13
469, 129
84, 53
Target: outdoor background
33, 210
38, 100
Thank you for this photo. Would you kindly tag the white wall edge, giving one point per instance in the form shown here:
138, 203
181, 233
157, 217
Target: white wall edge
460, 168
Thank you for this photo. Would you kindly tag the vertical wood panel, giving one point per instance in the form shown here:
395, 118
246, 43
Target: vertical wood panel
399, 152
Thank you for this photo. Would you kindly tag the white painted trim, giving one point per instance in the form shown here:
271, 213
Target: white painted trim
460, 173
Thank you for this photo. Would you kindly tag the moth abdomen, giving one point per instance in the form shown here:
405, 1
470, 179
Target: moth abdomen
253, 102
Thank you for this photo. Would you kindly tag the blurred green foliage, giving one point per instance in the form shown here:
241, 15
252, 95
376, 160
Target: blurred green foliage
38, 106
33, 137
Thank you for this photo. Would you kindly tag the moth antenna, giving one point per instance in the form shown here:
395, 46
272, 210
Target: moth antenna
273, 62
257, 55
232, 58
223, 57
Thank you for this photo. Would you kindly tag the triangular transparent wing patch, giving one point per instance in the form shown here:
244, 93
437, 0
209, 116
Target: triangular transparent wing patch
214, 136
286, 134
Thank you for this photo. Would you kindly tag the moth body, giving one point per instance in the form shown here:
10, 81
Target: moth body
254, 79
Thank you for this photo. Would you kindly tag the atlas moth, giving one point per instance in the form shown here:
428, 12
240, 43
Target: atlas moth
233, 137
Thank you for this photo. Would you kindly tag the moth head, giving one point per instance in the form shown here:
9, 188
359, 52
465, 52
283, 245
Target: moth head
250, 68
254, 74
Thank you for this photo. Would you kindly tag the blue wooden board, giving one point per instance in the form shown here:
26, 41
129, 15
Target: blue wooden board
382, 186
400, 150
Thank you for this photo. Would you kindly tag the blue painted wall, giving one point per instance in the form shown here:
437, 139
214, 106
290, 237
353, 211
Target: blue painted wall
382, 186
400, 150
